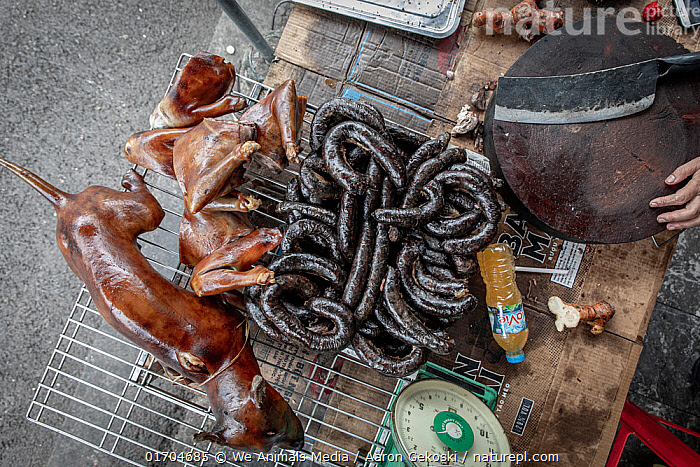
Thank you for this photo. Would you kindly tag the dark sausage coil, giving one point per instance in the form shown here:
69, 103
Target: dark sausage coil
379, 148
388, 258
289, 324
341, 109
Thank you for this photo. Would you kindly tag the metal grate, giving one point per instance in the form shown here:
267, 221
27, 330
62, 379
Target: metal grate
107, 393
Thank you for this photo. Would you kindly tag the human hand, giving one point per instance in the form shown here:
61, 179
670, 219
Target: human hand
689, 195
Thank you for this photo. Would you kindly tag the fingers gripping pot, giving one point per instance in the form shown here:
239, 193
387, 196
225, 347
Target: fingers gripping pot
200, 338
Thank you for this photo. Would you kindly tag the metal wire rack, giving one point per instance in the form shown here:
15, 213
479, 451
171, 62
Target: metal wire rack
107, 393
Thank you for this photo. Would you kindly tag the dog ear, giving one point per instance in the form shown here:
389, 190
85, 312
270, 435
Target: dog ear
258, 390
192, 363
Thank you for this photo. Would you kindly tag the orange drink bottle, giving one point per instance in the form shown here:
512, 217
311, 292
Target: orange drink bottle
503, 299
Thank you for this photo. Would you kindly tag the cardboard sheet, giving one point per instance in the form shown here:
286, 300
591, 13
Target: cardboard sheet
567, 396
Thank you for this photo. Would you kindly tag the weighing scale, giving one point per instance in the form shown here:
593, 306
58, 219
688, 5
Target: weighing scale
442, 418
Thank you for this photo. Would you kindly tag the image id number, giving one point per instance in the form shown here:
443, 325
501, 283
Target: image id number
172, 456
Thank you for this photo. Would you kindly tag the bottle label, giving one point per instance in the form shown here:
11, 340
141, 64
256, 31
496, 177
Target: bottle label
507, 319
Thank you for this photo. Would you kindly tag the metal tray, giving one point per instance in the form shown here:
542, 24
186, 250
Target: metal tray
433, 18
103, 391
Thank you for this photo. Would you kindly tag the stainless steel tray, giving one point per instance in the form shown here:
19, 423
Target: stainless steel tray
103, 391
433, 18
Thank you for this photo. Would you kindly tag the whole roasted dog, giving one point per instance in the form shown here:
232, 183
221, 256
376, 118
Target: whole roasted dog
199, 338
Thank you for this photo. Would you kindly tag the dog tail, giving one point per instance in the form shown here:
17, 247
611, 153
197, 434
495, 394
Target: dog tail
57, 197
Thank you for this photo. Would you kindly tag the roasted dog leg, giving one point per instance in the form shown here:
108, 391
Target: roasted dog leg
206, 231
200, 338
279, 118
153, 149
228, 267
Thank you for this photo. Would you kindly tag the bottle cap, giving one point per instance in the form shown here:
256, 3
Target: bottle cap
515, 358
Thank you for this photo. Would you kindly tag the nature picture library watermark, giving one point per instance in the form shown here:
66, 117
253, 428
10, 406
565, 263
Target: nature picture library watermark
626, 20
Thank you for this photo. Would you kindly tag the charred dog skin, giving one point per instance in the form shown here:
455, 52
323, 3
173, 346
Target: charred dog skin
206, 157
278, 117
200, 91
202, 233
341, 109
200, 338
153, 149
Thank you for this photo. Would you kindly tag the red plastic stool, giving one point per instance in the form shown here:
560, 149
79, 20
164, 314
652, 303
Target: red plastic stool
647, 427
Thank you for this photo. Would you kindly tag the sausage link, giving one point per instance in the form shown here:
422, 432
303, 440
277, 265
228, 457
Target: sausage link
465, 266
293, 195
363, 254
315, 212
338, 110
306, 263
252, 306
380, 258
427, 151
378, 358
438, 258
408, 320
291, 326
421, 298
310, 228
347, 224
378, 147
485, 233
453, 288
370, 328
414, 216
454, 226
313, 184
428, 170
406, 140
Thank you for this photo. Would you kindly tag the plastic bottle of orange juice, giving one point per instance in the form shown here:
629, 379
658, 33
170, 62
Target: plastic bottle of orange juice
503, 299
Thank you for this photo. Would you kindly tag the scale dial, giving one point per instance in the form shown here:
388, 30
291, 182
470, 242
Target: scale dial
430, 406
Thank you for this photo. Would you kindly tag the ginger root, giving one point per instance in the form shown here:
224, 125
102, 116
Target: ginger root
529, 20
570, 314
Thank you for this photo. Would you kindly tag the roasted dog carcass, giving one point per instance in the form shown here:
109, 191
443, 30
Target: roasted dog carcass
200, 338
201, 90
279, 118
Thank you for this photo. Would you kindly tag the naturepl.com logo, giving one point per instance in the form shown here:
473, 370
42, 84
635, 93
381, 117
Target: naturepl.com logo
516, 458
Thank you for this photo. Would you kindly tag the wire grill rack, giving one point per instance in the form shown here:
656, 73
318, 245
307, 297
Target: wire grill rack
107, 393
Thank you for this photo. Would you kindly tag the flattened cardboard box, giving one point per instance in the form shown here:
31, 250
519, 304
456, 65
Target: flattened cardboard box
567, 397
407, 68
